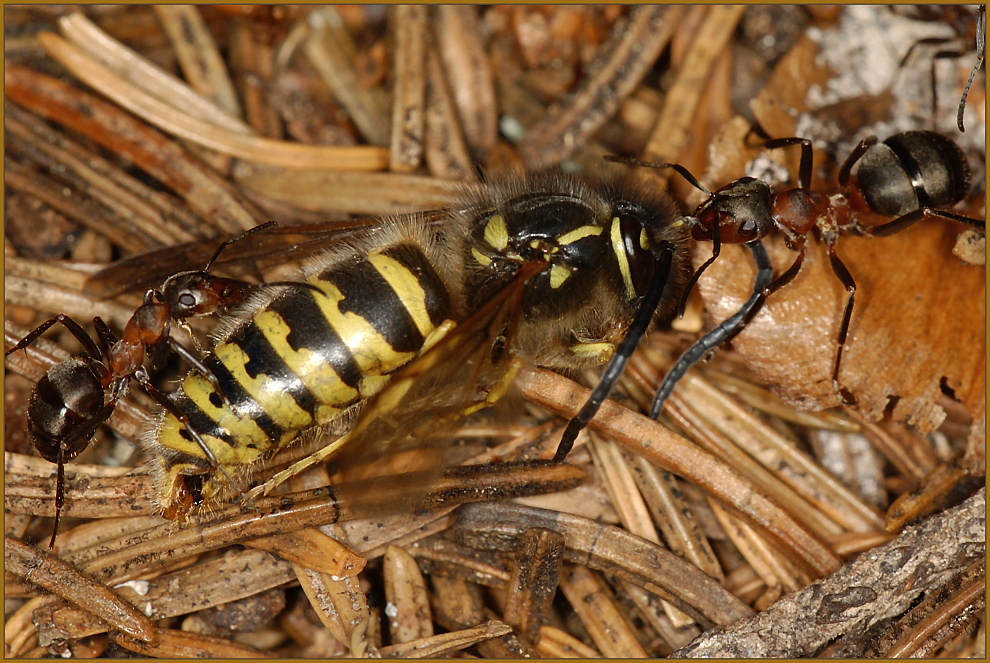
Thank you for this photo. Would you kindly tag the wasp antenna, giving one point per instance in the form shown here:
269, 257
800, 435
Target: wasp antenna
644, 315
720, 334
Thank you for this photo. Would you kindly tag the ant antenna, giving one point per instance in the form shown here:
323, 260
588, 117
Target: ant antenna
981, 28
237, 238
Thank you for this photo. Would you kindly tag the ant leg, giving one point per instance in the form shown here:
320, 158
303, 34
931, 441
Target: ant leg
103, 335
59, 494
902, 222
839, 269
804, 171
724, 331
716, 250
854, 156
195, 362
70, 324
142, 377
84, 432
774, 286
612, 372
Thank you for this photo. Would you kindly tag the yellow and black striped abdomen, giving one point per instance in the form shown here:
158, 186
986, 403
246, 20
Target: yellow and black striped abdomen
311, 352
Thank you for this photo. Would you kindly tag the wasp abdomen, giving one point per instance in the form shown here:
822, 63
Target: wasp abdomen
306, 355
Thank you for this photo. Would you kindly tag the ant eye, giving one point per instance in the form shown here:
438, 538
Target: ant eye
186, 299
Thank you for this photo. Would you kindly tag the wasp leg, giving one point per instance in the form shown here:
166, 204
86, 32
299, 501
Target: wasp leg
612, 372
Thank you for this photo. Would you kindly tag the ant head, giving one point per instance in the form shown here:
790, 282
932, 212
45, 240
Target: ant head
742, 210
195, 294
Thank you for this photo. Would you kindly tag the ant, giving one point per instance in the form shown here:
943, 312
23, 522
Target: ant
909, 176
77, 395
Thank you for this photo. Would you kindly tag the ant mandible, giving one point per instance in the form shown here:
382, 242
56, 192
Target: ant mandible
909, 176
77, 395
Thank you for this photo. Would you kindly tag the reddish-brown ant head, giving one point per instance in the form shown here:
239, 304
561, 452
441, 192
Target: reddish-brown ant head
742, 210
195, 294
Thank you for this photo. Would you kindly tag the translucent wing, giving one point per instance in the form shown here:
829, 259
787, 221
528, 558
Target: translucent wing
279, 245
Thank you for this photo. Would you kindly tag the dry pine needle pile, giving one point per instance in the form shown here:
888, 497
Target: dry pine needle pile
757, 518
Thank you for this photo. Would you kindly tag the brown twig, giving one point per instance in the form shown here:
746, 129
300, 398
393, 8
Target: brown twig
882, 583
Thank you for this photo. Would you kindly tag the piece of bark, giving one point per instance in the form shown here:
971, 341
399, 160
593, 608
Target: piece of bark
880, 584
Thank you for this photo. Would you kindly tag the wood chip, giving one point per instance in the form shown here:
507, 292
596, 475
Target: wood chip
589, 596
409, 92
884, 582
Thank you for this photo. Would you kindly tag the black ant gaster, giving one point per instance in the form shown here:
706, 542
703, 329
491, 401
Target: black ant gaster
909, 176
77, 395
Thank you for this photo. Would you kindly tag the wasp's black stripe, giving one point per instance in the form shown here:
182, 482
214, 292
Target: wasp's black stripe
368, 294
200, 422
263, 358
309, 329
243, 402
437, 297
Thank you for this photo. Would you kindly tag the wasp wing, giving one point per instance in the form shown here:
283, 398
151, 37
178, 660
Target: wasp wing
279, 245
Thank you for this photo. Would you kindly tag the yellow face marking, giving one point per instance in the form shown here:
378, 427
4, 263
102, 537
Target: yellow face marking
372, 353
534, 243
601, 350
558, 274
496, 232
269, 393
621, 259
644, 240
572, 236
481, 257
311, 367
408, 288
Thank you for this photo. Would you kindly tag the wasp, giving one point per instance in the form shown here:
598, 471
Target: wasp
421, 319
